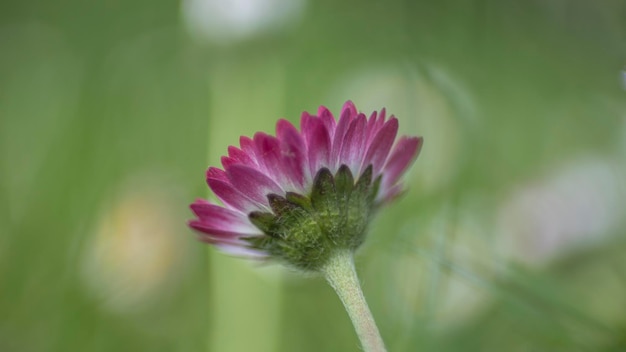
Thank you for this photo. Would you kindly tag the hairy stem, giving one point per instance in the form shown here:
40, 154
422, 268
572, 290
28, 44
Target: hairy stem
341, 275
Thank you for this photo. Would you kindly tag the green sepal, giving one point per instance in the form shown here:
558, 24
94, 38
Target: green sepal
359, 208
304, 231
265, 243
263, 221
324, 193
364, 180
300, 200
324, 201
279, 204
344, 181
373, 192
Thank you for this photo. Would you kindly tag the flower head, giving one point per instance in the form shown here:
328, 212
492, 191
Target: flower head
301, 195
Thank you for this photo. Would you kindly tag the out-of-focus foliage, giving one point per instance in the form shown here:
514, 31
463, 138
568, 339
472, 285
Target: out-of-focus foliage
510, 238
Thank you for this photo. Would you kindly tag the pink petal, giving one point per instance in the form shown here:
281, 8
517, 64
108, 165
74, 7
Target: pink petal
267, 149
349, 108
403, 154
305, 121
348, 113
217, 174
221, 222
252, 183
328, 119
286, 132
228, 161
378, 150
292, 152
374, 124
231, 246
241, 251
240, 156
370, 124
352, 147
318, 146
230, 196
247, 146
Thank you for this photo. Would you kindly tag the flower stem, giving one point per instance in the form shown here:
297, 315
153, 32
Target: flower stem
341, 275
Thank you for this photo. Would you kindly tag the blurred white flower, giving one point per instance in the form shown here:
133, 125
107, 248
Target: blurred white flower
579, 204
233, 20
136, 247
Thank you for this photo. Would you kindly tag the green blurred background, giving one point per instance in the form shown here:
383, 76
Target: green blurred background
511, 237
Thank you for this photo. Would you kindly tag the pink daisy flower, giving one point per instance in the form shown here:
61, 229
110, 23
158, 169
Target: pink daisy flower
300, 195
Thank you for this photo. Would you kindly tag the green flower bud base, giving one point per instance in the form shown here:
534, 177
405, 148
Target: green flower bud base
305, 231
320, 233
